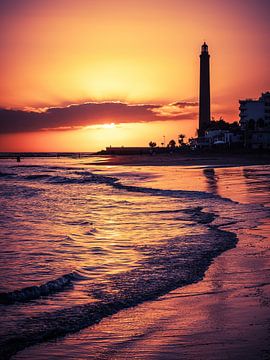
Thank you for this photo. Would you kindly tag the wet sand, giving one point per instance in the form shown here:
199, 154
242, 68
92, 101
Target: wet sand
217, 160
224, 316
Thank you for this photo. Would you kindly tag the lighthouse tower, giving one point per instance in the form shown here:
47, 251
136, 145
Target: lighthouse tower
204, 110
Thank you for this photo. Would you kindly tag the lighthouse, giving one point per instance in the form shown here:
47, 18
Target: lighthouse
204, 105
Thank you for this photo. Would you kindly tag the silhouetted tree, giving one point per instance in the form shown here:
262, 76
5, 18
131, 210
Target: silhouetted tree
181, 139
172, 144
152, 144
223, 125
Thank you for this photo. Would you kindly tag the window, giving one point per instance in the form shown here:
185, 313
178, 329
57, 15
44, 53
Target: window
251, 124
260, 123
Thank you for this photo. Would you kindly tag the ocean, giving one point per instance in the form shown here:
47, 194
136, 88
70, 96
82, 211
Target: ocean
81, 242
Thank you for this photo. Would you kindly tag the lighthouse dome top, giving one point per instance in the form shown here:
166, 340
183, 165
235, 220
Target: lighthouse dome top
204, 47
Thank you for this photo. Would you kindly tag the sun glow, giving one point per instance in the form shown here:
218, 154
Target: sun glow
108, 126
54, 54
101, 126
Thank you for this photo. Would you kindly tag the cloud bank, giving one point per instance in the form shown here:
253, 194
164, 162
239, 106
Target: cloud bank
77, 116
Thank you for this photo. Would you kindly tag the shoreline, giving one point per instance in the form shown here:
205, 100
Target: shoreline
223, 316
213, 160
80, 317
207, 159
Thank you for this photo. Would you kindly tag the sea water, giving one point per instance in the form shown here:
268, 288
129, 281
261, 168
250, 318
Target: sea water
80, 242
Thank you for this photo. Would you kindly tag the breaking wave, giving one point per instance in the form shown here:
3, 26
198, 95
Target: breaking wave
35, 292
87, 177
37, 177
5, 175
178, 262
161, 266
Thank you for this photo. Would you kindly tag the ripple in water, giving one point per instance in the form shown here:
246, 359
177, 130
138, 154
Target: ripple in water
87, 245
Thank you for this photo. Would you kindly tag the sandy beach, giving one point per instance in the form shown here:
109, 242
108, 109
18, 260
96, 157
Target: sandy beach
174, 159
223, 316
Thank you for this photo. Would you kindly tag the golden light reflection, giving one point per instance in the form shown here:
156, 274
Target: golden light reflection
94, 138
65, 52
101, 126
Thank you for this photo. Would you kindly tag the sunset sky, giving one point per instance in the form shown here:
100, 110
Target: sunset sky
79, 75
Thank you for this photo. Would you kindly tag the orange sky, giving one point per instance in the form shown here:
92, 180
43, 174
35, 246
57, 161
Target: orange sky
57, 53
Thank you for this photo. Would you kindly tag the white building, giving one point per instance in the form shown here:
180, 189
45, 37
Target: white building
255, 121
219, 137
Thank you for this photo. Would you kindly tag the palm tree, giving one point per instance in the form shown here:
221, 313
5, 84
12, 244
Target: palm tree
172, 144
181, 139
152, 144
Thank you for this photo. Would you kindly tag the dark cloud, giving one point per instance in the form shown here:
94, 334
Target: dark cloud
183, 104
80, 115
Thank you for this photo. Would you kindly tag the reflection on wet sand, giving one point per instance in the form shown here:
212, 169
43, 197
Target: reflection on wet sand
224, 316
211, 180
258, 184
